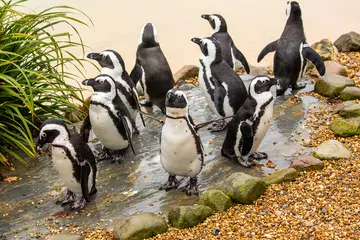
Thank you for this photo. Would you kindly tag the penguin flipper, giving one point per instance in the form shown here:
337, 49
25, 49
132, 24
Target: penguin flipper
219, 95
127, 131
201, 125
136, 99
84, 179
310, 54
136, 73
239, 56
248, 137
85, 129
269, 48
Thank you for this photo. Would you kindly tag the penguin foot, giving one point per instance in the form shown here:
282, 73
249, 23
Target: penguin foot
218, 126
145, 103
191, 187
119, 156
69, 198
259, 155
78, 205
136, 130
104, 154
172, 183
244, 161
93, 190
299, 86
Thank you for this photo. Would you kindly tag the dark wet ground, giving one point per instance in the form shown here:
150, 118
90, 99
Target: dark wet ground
133, 186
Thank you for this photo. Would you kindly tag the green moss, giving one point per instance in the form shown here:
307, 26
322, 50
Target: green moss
216, 200
330, 85
351, 111
188, 216
345, 127
284, 175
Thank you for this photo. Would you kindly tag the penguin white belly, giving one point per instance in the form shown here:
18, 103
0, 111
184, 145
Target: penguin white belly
226, 105
178, 149
64, 167
203, 88
143, 80
263, 127
105, 129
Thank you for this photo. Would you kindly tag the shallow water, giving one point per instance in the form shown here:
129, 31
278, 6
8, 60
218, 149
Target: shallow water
133, 185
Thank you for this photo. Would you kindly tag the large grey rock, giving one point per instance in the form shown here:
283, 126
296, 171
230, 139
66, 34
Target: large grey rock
350, 93
243, 188
349, 42
350, 111
343, 105
66, 236
188, 216
334, 67
139, 226
346, 127
284, 175
307, 163
216, 200
330, 85
331, 149
186, 72
325, 49
256, 71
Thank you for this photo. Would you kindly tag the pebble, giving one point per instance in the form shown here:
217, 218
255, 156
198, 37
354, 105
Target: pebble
215, 232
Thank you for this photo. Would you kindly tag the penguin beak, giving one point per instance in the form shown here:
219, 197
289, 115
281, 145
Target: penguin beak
206, 16
273, 81
94, 56
39, 146
89, 82
196, 40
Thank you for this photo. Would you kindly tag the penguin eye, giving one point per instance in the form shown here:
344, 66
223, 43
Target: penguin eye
101, 81
43, 135
179, 96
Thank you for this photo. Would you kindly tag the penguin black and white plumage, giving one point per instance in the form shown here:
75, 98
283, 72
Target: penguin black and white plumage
152, 69
230, 52
181, 150
73, 160
109, 117
292, 52
248, 128
224, 90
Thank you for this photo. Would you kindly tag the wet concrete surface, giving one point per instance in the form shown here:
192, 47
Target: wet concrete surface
133, 186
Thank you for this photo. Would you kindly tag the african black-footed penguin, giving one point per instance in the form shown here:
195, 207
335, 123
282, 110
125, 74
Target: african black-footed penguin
73, 160
248, 128
230, 52
181, 151
152, 68
109, 117
224, 90
292, 52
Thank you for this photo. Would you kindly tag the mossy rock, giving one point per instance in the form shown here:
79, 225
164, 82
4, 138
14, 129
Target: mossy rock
188, 216
350, 93
243, 188
284, 175
346, 127
351, 111
216, 200
325, 49
330, 85
331, 150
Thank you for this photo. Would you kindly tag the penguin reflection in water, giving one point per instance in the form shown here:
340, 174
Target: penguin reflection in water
224, 90
109, 117
73, 159
181, 150
248, 128
292, 52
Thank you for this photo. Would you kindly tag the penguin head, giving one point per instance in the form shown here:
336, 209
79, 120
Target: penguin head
148, 36
293, 11
261, 84
51, 130
109, 59
176, 103
216, 21
101, 84
210, 48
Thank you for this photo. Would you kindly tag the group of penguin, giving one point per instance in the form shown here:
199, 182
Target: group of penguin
114, 106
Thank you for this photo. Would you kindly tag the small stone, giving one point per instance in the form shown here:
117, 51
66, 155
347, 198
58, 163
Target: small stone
186, 72
215, 232
216, 200
284, 175
350, 93
330, 85
309, 224
268, 236
277, 213
346, 127
243, 188
66, 236
188, 216
331, 149
343, 105
139, 226
306, 163
350, 111
324, 211
349, 42
325, 49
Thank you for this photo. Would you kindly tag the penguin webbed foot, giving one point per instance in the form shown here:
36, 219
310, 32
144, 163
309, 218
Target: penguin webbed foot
191, 187
218, 126
69, 198
119, 157
244, 161
103, 155
259, 155
78, 204
172, 183
299, 85
136, 130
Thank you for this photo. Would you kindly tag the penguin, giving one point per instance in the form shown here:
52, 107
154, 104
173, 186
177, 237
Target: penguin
230, 52
224, 90
152, 69
109, 117
73, 160
250, 124
292, 52
112, 64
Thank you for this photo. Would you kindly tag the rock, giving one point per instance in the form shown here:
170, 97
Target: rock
186, 72
65, 236
343, 105
243, 188
307, 163
346, 127
216, 200
186, 87
188, 216
255, 71
139, 89
284, 175
334, 67
351, 111
331, 149
350, 93
330, 85
349, 42
325, 49
140, 226
215, 231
